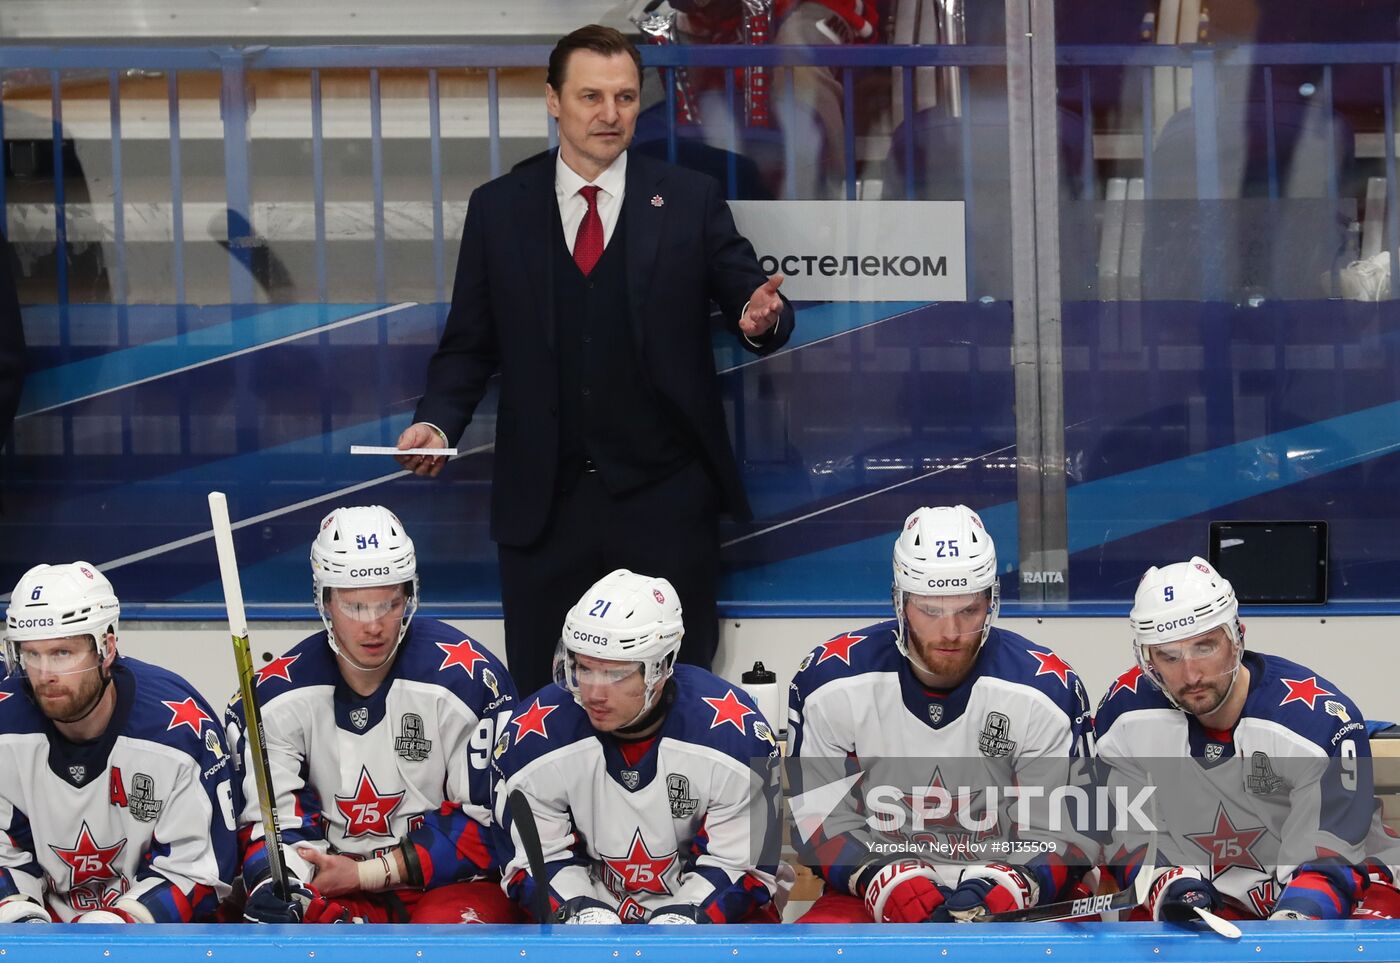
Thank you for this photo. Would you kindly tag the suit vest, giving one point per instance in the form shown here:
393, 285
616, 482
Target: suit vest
609, 413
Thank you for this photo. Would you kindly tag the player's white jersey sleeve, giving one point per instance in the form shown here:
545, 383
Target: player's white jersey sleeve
564, 850
20, 872
181, 852
300, 820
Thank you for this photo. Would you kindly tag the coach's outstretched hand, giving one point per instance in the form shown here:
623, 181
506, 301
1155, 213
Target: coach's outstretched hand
764, 309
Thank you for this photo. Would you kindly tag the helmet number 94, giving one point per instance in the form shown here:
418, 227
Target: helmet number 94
945, 549
362, 542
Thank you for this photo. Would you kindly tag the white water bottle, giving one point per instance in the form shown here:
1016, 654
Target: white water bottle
762, 686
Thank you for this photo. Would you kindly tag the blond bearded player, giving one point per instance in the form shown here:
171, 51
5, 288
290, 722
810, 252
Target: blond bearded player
116, 805
939, 698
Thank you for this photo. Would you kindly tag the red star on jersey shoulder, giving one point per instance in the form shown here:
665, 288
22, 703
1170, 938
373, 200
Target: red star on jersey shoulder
88, 861
532, 720
639, 871
367, 812
187, 713
1304, 690
461, 653
5, 695
839, 648
1128, 680
1052, 664
730, 710
276, 669
1228, 846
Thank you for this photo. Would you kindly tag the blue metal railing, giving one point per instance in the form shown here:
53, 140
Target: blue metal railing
234, 64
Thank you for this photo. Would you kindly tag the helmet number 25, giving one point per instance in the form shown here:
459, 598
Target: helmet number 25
945, 548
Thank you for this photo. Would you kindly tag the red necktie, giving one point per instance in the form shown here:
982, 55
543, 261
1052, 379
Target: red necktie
588, 244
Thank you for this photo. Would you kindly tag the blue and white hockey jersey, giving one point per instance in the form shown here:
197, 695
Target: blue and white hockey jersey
1281, 806
693, 821
145, 813
936, 774
354, 774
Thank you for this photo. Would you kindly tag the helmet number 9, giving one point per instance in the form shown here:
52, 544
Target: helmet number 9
1168, 593
34, 595
361, 542
946, 549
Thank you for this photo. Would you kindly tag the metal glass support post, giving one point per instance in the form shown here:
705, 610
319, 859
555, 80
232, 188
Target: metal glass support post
1035, 282
233, 103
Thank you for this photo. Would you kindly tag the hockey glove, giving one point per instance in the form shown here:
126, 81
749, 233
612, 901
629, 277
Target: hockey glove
305, 905
679, 913
1178, 892
994, 888
900, 889
585, 910
22, 909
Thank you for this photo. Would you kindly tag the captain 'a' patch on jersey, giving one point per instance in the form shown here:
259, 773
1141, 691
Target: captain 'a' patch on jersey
356, 773
691, 820
144, 813
1289, 787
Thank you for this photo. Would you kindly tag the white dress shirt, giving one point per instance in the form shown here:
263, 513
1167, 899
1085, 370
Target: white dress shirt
572, 206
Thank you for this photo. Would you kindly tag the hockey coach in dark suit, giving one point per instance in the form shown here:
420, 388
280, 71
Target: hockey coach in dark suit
586, 278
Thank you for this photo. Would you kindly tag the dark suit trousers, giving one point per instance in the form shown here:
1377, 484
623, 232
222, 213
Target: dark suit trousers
669, 528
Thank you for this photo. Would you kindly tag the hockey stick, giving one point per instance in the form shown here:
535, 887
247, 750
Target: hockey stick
523, 818
253, 725
1088, 905
1220, 924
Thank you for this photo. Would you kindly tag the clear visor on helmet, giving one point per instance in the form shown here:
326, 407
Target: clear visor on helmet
68, 656
1188, 665
574, 672
361, 611
947, 616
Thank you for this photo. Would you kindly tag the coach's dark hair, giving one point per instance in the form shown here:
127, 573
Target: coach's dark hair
601, 40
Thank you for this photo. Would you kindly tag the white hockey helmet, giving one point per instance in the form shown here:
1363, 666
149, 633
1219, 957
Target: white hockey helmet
624, 617
363, 547
944, 551
58, 601
1182, 601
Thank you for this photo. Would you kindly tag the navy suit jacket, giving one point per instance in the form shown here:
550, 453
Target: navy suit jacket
683, 253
